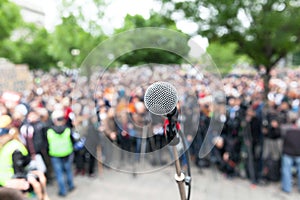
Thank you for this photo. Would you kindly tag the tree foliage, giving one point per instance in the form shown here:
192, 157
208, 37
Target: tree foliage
29, 47
87, 17
265, 30
150, 55
35, 52
224, 56
31, 44
70, 36
10, 18
296, 59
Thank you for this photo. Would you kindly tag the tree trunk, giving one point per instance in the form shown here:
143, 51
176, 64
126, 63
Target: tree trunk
266, 78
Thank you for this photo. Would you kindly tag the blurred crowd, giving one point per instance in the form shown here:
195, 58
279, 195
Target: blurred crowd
67, 122
260, 138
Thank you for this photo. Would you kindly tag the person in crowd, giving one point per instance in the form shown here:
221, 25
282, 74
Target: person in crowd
290, 153
69, 115
110, 126
272, 144
60, 148
232, 136
140, 118
79, 149
19, 115
283, 111
159, 141
110, 130
32, 134
204, 120
252, 139
123, 135
45, 121
11, 194
91, 145
14, 157
222, 157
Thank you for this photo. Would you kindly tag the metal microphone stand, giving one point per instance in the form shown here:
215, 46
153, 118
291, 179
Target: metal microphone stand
173, 139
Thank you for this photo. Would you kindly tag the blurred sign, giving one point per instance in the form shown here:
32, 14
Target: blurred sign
14, 77
10, 96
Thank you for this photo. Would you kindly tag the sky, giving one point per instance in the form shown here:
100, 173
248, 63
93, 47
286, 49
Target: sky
115, 13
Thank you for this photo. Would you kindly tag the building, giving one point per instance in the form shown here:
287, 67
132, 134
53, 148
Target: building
32, 11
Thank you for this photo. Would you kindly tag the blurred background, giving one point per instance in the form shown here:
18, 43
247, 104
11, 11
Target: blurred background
252, 46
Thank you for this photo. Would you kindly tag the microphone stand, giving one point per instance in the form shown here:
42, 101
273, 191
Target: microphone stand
179, 176
173, 140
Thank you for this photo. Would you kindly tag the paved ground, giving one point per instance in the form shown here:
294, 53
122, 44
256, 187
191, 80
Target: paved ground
209, 185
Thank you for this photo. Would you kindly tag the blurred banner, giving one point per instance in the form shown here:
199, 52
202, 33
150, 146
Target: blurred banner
14, 77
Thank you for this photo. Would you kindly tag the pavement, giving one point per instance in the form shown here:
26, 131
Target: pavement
207, 184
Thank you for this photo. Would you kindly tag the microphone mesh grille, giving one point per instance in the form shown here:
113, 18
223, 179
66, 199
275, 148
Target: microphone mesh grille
161, 98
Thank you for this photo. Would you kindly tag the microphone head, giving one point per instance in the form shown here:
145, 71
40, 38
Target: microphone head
161, 98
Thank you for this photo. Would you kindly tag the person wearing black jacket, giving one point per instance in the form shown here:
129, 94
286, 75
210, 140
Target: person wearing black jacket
223, 156
232, 136
253, 143
204, 121
272, 143
290, 154
91, 145
33, 138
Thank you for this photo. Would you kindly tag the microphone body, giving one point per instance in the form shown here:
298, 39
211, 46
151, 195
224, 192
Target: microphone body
161, 99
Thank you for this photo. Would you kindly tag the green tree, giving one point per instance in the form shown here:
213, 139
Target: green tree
70, 43
224, 56
266, 30
29, 46
10, 19
35, 53
296, 58
87, 19
150, 55
78, 33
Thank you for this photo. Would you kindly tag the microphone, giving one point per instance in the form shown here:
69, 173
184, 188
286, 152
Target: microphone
161, 99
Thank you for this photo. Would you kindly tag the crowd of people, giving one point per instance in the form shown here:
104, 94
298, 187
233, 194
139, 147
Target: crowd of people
38, 137
65, 121
260, 137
